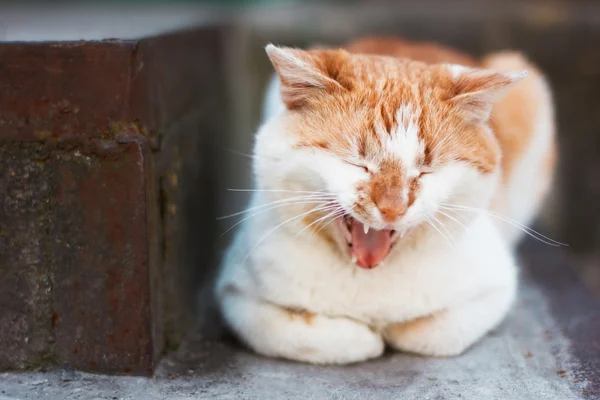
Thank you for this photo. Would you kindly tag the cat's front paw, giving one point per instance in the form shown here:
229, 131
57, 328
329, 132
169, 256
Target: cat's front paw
429, 336
326, 340
299, 335
451, 331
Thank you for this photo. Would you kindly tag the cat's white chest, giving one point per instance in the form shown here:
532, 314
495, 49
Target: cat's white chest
302, 275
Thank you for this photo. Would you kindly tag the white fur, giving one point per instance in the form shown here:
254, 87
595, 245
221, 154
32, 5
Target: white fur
273, 105
457, 70
403, 142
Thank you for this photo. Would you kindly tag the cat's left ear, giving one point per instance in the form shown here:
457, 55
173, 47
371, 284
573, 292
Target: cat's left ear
304, 73
474, 91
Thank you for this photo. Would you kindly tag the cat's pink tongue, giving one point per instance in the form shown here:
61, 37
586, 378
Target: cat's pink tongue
369, 248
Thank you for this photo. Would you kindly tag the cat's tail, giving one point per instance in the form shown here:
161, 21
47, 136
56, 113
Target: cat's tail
524, 123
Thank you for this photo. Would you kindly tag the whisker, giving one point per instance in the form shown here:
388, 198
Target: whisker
290, 200
440, 232
269, 209
531, 232
280, 191
444, 226
277, 227
508, 220
333, 215
334, 218
453, 219
342, 214
239, 153
335, 209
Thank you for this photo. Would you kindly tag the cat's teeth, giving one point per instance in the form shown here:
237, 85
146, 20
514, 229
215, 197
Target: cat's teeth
402, 233
354, 259
366, 228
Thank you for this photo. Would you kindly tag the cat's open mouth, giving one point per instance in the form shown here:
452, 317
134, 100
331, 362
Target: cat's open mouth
367, 247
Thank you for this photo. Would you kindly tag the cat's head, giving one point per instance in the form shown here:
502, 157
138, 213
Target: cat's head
388, 141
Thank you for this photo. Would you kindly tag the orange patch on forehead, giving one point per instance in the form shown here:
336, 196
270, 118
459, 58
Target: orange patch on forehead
347, 100
351, 119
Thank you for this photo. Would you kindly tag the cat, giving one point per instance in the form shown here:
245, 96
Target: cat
389, 178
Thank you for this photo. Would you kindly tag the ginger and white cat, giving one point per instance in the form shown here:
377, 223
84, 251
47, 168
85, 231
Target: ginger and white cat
385, 174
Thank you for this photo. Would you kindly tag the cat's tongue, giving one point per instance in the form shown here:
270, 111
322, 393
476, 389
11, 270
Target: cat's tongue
369, 248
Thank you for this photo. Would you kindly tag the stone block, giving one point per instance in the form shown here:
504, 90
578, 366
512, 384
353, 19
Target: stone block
106, 197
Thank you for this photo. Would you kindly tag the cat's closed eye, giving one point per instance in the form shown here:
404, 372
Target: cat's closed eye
359, 165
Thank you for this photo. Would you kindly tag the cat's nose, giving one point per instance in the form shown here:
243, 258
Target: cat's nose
391, 206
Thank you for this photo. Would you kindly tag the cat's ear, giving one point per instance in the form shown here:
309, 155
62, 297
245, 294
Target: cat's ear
474, 91
303, 73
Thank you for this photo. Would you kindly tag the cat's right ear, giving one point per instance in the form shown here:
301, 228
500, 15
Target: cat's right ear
302, 74
476, 90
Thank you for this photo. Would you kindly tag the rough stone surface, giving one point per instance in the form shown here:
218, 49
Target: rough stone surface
25, 280
74, 255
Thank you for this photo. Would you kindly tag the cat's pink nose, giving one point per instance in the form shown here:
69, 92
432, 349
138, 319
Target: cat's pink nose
391, 206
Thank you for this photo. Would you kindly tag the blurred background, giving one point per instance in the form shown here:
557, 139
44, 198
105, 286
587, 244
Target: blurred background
562, 37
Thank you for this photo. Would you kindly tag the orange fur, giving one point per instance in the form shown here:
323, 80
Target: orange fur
417, 325
386, 190
513, 118
303, 315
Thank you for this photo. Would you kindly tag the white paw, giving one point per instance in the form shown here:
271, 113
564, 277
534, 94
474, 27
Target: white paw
429, 336
298, 335
318, 339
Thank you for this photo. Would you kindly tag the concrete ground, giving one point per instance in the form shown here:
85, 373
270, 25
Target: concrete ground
525, 358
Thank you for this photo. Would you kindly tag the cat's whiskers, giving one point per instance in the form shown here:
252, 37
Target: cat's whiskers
525, 229
239, 153
285, 200
453, 219
297, 202
440, 232
335, 218
334, 211
280, 191
314, 209
449, 230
